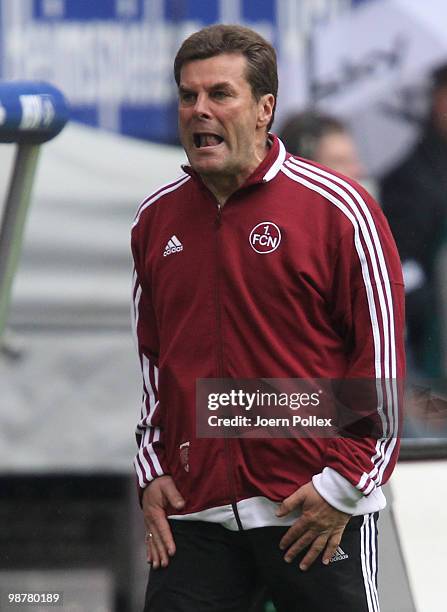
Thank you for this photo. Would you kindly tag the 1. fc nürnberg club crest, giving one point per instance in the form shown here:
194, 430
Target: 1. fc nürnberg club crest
265, 237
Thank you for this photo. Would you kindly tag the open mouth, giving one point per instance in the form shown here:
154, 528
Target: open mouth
202, 140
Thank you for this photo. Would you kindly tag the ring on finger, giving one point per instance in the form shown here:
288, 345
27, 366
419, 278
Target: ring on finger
148, 536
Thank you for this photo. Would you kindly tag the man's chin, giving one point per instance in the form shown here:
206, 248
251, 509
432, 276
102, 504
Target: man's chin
208, 161
207, 166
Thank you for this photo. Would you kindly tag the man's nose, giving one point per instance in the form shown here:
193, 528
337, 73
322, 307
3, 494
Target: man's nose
202, 107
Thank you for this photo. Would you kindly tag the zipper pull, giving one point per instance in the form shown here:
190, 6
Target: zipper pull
219, 214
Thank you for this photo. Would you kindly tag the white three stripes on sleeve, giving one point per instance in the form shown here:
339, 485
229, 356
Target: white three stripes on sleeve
351, 203
146, 462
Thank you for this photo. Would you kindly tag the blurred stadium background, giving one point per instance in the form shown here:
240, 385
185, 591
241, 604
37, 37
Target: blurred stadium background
69, 381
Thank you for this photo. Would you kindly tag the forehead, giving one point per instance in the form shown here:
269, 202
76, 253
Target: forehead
337, 140
226, 67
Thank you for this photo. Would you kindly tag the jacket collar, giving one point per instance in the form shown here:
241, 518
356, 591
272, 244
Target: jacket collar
267, 169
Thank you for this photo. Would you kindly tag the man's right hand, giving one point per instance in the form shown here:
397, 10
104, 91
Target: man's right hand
157, 496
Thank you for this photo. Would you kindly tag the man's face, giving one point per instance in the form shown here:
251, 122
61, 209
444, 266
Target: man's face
221, 124
337, 151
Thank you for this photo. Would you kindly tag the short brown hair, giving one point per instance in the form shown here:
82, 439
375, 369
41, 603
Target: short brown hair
262, 73
302, 132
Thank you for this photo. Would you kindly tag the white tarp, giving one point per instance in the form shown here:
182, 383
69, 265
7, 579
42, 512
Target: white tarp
76, 261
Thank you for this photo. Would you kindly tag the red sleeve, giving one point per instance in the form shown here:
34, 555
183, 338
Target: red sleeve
368, 309
150, 459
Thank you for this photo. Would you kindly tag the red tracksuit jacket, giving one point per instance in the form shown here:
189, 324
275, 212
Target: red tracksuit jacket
321, 297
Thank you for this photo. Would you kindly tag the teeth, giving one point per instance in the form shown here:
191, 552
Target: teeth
207, 140
210, 140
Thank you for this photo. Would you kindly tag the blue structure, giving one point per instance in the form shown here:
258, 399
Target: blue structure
31, 113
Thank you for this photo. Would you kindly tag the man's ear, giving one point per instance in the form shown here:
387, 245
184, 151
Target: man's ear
266, 105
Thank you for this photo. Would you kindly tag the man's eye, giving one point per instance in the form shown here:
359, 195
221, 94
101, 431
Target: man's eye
219, 94
187, 97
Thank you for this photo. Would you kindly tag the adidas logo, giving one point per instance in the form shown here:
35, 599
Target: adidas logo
339, 555
174, 246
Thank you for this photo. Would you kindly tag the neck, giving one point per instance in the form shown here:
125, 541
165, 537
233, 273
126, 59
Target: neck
222, 186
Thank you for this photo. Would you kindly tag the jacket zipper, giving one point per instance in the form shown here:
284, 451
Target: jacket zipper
220, 369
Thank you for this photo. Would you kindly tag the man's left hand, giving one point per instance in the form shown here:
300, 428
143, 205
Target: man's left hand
319, 527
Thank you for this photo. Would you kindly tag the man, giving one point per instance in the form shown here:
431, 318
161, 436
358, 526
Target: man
414, 197
325, 139
322, 298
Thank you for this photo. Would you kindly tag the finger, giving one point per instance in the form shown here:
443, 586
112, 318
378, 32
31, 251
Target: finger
290, 503
150, 548
297, 547
296, 531
331, 547
158, 526
315, 550
154, 556
173, 496
159, 550
161, 528
149, 555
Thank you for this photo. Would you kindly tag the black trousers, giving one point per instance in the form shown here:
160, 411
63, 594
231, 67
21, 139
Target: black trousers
217, 570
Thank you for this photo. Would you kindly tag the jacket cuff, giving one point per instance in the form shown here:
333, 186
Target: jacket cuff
337, 490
